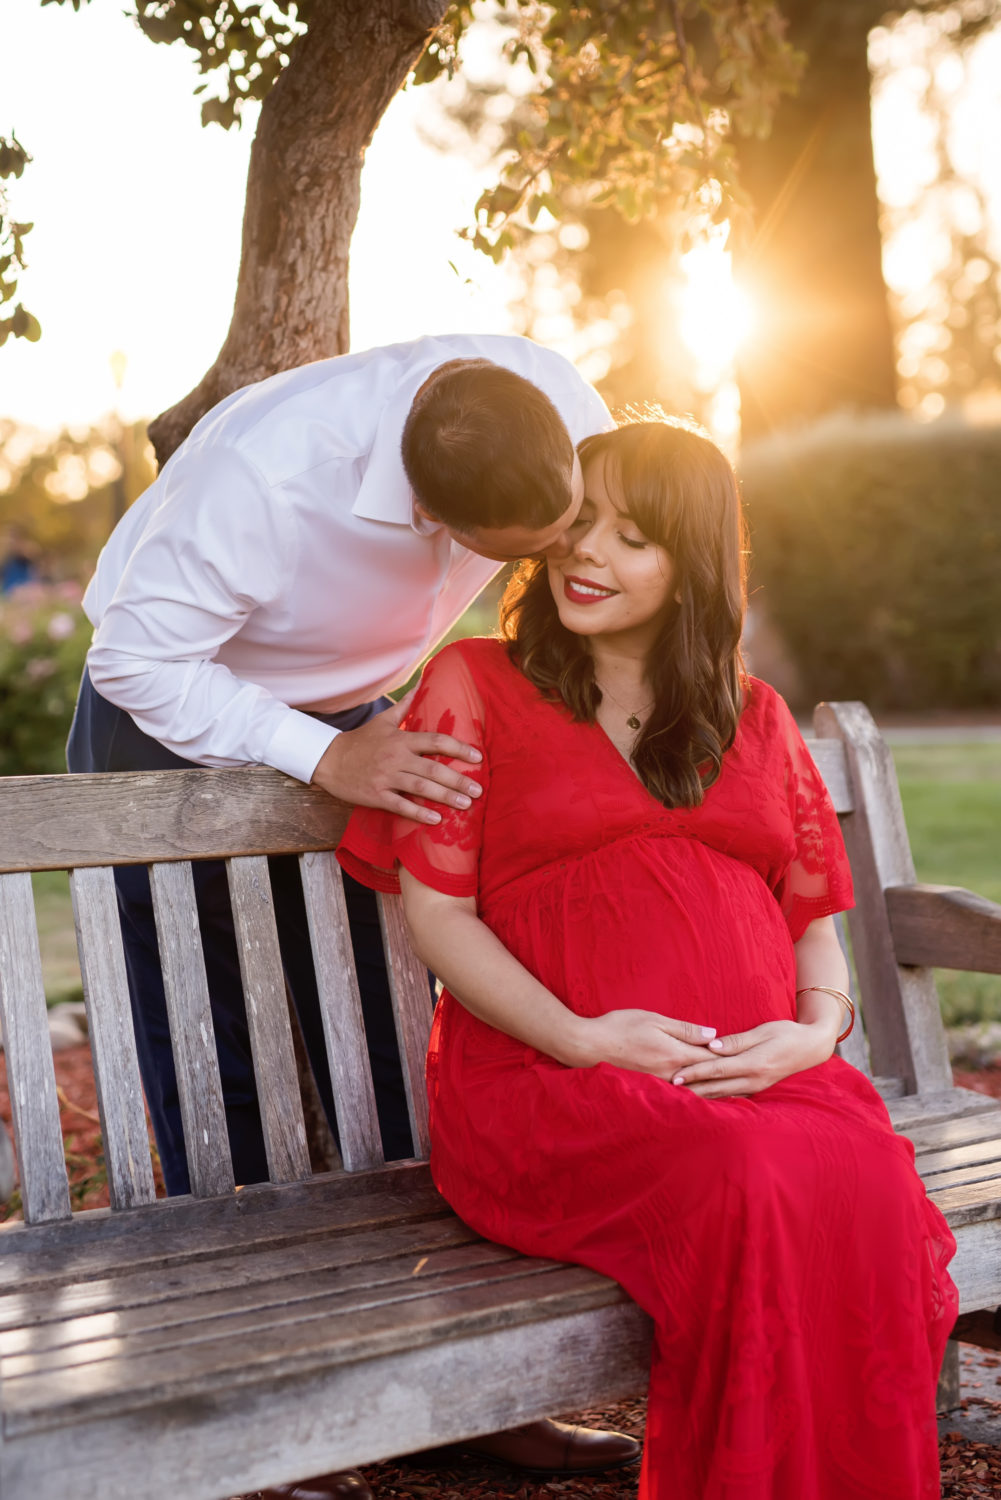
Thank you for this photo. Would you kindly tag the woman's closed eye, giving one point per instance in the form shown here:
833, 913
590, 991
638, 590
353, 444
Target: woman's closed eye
633, 541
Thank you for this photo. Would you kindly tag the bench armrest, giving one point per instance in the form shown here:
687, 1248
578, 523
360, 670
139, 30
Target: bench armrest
945, 926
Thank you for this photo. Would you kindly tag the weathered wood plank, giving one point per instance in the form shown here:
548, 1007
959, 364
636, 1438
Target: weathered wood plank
191, 1032
854, 1049
31, 1075
970, 1173
903, 1021
272, 1432
914, 1110
976, 1153
268, 1022
120, 1289
338, 1300
137, 817
829, 758
100, 1389
173, 1231
412, 1010
118, 1308
947, 1133
945, 926
340, 1007
976, 1267
112, 1037
969, 1204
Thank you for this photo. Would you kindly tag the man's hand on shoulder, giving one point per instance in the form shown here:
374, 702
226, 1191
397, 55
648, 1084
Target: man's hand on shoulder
382, 765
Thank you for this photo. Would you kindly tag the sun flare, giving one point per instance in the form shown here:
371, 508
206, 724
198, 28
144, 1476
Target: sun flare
716, 315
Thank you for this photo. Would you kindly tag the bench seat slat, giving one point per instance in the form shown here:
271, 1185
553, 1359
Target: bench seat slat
116, 1290
23, 1016
340, 1007
975, 1154
174, 1231
112, 1037
969, 1204
946, 1134
409, 984
125, 1314
965, 1176
272, 1304
142, 1381
268, 1019
197, 1065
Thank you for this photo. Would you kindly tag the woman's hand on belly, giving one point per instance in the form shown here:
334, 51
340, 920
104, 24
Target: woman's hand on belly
750, 1061
640, 1040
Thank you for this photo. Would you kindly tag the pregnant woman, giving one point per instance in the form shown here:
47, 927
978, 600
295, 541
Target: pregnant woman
631, 1065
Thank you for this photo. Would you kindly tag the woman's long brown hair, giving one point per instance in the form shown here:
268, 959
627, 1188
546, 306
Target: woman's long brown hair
681, 492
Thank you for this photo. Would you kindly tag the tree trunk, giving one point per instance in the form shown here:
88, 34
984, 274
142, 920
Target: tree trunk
302, 196
814, 269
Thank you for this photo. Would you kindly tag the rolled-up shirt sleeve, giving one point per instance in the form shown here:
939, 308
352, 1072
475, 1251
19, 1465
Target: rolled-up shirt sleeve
217, 547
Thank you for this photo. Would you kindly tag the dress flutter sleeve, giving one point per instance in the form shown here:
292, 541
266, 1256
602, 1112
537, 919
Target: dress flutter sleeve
817, 882
442, 855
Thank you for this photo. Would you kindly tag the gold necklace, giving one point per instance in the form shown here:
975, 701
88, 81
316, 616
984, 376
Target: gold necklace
633, 721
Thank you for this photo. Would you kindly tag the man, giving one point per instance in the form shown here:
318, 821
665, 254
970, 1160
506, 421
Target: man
306, 546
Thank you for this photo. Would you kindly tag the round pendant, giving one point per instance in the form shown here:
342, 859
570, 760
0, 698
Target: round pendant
632, 722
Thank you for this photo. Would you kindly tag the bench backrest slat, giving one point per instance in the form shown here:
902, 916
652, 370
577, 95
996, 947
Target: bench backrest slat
268, 1018
197, 1066
31, 1074
112, 1037
831, 762
411, 991
905, 1034
340, 1008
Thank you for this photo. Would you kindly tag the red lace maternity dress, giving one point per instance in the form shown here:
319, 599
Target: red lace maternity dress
782, 1243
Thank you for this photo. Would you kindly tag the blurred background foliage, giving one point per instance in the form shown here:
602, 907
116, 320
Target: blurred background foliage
60, 496
876, 553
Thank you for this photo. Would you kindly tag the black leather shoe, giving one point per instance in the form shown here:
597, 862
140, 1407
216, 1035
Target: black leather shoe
348, 1485
549, 1447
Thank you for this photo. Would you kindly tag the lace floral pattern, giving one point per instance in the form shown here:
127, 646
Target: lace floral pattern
782, 1243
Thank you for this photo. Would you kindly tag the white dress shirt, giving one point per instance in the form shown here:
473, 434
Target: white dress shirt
276, 560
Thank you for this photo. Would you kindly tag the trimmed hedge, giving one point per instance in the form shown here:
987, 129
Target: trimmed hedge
876, 553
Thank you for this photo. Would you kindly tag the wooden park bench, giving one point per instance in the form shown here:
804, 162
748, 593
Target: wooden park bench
216, 1343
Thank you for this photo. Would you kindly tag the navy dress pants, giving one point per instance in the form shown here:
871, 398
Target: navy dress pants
105, 738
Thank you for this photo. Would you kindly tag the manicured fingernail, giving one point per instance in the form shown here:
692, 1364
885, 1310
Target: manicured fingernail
708, 1030
679, 1079
715, 1046
473, 788
434, 817
461, 801
475, 755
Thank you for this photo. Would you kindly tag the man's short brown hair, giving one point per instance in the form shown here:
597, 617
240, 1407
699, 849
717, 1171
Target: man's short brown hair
482, 446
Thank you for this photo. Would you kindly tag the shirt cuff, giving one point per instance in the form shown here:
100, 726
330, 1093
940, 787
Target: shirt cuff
298, 744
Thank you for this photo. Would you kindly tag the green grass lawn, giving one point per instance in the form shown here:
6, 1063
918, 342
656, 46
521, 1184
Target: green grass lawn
952, 802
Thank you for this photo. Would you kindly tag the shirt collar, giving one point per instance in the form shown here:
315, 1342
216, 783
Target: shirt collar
384, 493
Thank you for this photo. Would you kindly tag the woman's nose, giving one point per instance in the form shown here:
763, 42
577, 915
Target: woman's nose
589, 546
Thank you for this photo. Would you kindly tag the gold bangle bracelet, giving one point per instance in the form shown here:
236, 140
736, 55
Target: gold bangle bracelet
846, 1001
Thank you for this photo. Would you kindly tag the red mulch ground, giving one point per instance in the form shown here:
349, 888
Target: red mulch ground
969, 1469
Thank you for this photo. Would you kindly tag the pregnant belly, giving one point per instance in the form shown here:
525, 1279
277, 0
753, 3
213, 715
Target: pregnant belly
655, 924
